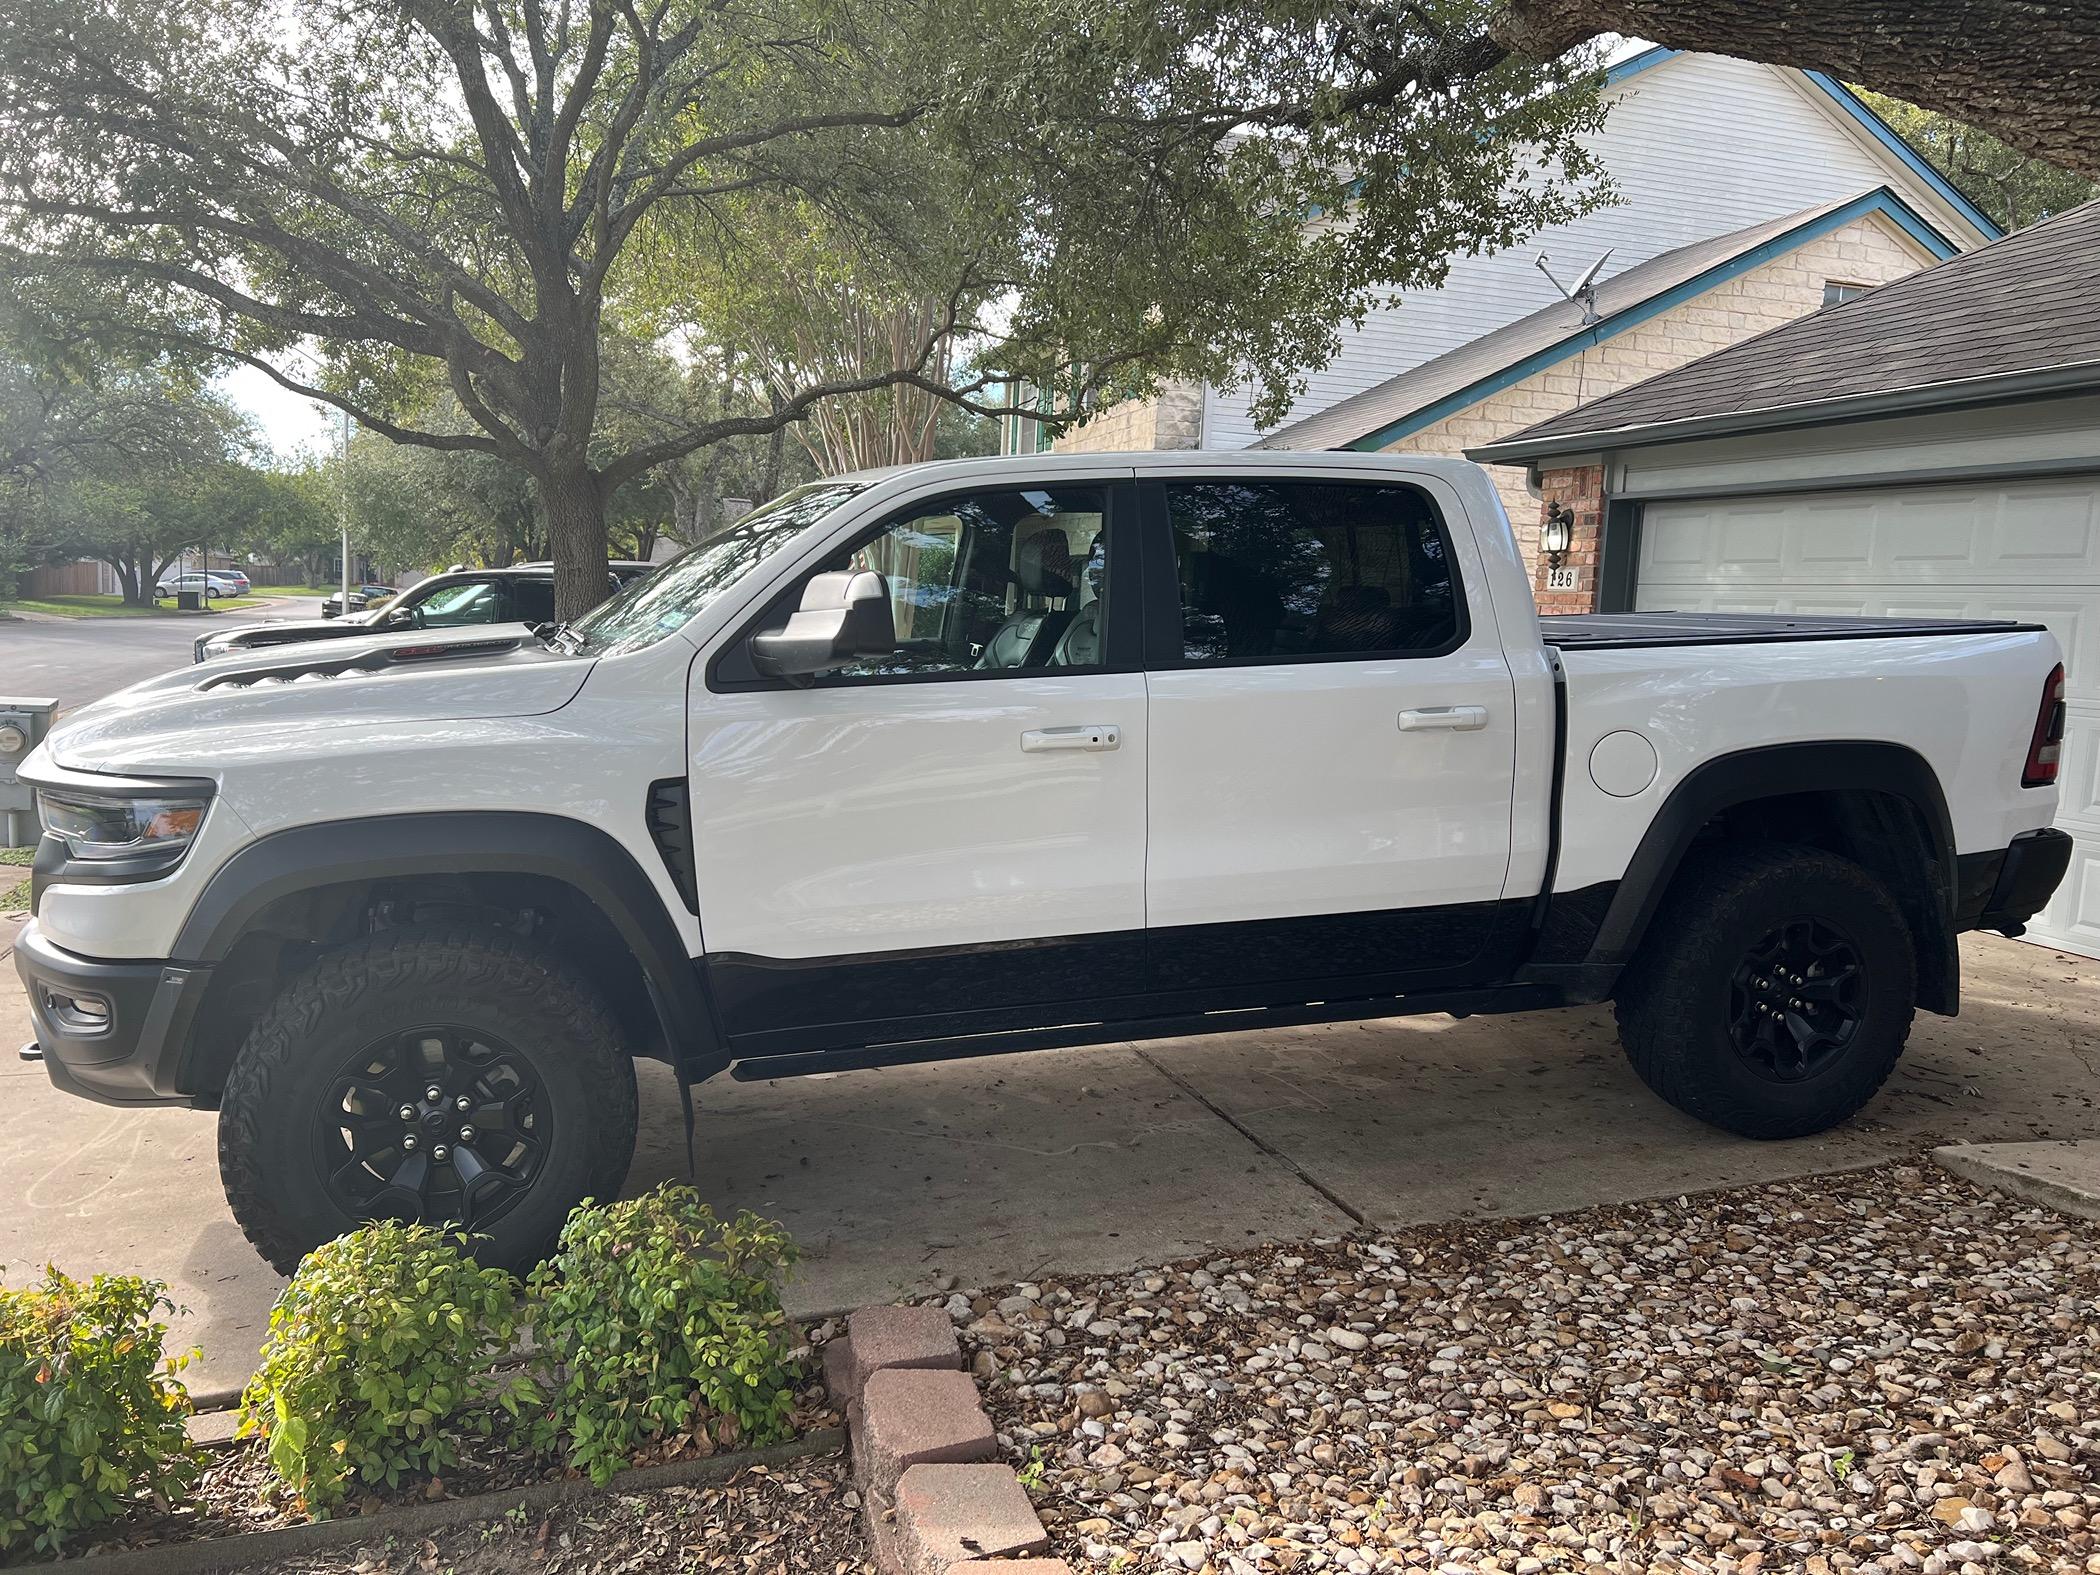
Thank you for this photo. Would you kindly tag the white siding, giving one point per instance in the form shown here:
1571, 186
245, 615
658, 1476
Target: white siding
1698, 146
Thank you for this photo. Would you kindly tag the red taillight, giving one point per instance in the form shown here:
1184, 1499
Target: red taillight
2040, 770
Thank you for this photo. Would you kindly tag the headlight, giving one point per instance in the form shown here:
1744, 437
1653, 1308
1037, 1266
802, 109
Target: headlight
146, 833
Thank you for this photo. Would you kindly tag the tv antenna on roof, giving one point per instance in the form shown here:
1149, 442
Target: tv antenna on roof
1584, 291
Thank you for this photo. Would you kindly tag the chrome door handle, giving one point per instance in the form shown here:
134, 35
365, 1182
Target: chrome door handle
1092, 736
1450, 718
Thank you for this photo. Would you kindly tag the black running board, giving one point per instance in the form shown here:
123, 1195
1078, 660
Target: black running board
906, 1052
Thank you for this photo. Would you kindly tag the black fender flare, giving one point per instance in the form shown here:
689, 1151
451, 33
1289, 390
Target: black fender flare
470, 842
1778, 771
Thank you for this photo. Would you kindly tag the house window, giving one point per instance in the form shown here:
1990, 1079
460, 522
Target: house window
1836, 292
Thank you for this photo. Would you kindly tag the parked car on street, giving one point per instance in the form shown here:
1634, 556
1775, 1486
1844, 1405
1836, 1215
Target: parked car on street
215, 583
993, 755
444, 601
362, 599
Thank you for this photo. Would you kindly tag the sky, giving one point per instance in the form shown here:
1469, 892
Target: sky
287, 421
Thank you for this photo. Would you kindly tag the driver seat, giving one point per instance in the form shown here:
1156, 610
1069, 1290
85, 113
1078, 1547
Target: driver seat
1028, 634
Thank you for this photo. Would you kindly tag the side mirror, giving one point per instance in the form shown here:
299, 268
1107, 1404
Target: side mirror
843, 615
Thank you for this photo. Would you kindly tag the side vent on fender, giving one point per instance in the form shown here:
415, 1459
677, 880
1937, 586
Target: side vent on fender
670, 818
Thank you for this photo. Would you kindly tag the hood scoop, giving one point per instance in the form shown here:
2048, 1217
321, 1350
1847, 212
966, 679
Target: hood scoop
364, 663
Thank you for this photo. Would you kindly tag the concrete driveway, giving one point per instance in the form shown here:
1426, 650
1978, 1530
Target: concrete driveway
998, 1169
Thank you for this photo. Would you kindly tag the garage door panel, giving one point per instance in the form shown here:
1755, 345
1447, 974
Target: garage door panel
2042, 532
2078, 781
2028, 551
2072, 919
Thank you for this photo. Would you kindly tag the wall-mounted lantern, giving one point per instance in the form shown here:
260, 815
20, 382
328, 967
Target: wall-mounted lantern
1557, 533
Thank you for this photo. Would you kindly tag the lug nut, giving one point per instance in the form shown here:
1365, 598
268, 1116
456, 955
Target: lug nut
406, 1112
441, 1153
466, 1134
433, 1093
462, 1104
408, 1141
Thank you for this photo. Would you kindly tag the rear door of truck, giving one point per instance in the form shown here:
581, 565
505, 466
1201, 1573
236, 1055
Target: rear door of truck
1333, 732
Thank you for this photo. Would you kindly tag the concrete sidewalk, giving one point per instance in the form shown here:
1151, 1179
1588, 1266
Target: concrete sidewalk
987, 1171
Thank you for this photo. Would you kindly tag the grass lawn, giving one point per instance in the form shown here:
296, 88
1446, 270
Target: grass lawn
79, 607
112, 606
293, 590
14, 892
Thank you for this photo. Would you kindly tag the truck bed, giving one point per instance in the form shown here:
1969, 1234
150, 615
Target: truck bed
1633, 630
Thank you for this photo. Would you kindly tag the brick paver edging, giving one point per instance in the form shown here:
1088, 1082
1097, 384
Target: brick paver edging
937, 1498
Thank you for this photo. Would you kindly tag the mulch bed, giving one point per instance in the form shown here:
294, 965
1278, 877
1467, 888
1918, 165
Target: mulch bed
801, 1518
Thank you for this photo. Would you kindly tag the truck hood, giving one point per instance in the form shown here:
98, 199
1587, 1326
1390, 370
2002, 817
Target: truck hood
196, 719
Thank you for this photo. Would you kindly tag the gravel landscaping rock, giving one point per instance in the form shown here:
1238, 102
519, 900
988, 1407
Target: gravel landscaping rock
1886, 1370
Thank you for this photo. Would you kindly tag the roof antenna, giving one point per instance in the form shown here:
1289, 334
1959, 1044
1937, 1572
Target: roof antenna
1584, 292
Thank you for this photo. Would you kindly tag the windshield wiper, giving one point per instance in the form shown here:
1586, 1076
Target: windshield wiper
562, 636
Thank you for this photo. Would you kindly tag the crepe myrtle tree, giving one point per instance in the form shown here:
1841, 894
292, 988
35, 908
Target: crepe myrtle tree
455, 194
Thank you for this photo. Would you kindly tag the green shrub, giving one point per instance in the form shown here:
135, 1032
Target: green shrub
91, 1414
658, 1319
379, 1353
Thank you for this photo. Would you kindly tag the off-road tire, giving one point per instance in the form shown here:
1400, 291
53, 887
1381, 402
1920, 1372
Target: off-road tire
396, 980
1673, 1001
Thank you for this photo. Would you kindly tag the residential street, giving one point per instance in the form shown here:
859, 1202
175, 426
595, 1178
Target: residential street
979, 1172
82, 659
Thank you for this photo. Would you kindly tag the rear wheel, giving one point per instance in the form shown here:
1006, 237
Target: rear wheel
1774, 992
448, 1075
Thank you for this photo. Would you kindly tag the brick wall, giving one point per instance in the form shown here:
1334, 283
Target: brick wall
1171, 419
1581, 489
1869, 250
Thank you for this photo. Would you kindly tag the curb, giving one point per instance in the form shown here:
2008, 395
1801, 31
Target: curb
936, 1497
2062, 1175
205, 1554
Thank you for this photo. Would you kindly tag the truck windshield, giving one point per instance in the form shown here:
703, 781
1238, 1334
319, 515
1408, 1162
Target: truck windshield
653, 607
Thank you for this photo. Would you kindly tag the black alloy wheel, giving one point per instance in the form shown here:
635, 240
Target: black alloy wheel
438, 1125
1797, 1000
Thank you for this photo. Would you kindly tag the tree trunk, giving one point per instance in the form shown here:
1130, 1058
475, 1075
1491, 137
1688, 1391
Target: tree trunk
575, 506
776, 456
2027, 71
128, 581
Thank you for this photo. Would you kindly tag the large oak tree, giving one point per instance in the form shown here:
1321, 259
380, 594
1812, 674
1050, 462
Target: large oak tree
2027, 71
453, 196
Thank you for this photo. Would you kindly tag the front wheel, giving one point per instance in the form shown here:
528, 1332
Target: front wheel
449, 1075
1773, 993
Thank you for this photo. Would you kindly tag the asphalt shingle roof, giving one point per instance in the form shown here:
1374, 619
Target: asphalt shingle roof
1493, 353
2027, 303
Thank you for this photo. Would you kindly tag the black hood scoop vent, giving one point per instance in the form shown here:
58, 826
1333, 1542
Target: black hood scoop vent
364, 663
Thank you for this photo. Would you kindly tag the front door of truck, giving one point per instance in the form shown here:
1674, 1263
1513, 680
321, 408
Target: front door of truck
931, 840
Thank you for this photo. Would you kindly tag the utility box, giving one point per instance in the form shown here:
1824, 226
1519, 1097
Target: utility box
23, 724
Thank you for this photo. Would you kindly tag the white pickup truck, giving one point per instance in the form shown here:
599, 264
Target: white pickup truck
989, 755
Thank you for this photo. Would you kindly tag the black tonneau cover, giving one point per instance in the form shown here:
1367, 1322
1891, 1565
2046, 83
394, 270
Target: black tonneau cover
1622, 631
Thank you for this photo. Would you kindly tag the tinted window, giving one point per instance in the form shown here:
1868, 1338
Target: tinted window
532, 601
1277, 570
1008, 581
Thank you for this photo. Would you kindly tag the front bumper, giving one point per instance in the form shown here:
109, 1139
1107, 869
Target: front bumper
2003, 889
113, 1032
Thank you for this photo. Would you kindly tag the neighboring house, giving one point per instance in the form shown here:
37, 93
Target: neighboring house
1747, 192
1929, 449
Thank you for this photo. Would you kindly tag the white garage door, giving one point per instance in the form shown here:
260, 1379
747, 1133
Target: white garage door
2027, 550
